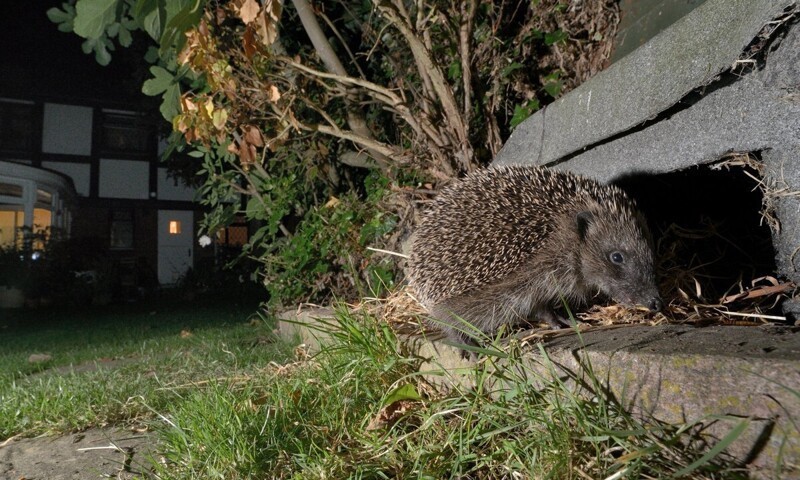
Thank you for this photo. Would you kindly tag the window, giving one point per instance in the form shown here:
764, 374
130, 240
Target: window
44, 198
16, 127
122, 230
11, 190
234, 235
11, 220
174, 227
126, 133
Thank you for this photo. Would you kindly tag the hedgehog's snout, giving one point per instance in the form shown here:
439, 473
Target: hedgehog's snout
656, 304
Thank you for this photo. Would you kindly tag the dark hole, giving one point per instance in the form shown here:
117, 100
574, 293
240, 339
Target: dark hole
707, 226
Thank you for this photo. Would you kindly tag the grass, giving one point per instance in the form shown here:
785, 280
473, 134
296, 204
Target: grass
115, 365
361, 408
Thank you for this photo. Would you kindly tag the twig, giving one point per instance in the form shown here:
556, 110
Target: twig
389, 252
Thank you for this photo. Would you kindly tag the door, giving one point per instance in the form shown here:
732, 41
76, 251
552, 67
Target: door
175, 244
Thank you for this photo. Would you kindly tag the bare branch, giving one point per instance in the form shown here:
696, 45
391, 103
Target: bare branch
439, 85
368, 143
354, 117
465, 38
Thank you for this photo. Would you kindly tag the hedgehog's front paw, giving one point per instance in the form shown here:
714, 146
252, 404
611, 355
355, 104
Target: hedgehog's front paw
553, 319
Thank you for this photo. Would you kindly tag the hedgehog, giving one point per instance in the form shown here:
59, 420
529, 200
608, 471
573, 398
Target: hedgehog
511, 242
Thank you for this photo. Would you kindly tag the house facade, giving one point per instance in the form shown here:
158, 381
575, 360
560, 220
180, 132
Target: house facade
92, 170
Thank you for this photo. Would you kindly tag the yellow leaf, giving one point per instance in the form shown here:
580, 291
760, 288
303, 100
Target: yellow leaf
209, 106
219, 119
332, 202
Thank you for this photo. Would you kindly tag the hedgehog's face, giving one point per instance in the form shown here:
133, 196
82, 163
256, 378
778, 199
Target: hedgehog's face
616, 257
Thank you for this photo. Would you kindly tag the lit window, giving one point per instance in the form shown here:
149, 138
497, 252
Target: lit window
174, 227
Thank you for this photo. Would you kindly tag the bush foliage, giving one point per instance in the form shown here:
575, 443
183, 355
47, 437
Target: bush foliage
326, 123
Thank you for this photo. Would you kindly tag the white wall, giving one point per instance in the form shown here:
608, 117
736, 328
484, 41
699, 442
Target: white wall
168, 190
67, 129
175, 251
79, 172
124, 179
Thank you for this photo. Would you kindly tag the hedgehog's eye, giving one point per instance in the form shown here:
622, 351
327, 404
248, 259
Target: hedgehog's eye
616, 257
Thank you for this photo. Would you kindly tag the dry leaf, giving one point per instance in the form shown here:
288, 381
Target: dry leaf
759, 292
390, 414
252, 135
248, 11
249, 42
274, 94
39, 358
267, 21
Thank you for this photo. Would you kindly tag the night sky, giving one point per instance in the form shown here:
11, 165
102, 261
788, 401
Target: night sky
37, 59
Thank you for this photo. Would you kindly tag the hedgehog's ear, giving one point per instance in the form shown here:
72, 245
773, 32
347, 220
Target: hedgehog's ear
583, 220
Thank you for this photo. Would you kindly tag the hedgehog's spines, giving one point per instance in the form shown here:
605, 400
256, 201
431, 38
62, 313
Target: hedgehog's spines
506, 240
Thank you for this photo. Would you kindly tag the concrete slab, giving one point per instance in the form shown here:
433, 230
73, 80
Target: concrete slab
300, 326
782, 178
641, 20
758, 112
690, 53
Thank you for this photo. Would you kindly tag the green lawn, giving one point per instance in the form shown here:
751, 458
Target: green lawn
118, 364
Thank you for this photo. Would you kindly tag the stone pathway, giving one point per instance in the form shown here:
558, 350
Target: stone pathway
92, 454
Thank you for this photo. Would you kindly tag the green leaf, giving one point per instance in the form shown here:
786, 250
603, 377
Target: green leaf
125, 38
144, 7
255, 210
555, 37
151, 56
553, 88
510, 69
521, 112
101, 53
177, 24
553, 84
403, 392
170, 101
66, 27
64, 18
56, 15
94, 16
454, 72
161, 81
151, 14
87, 46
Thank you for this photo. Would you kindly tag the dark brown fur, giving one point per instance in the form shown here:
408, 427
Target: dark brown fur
510, 241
